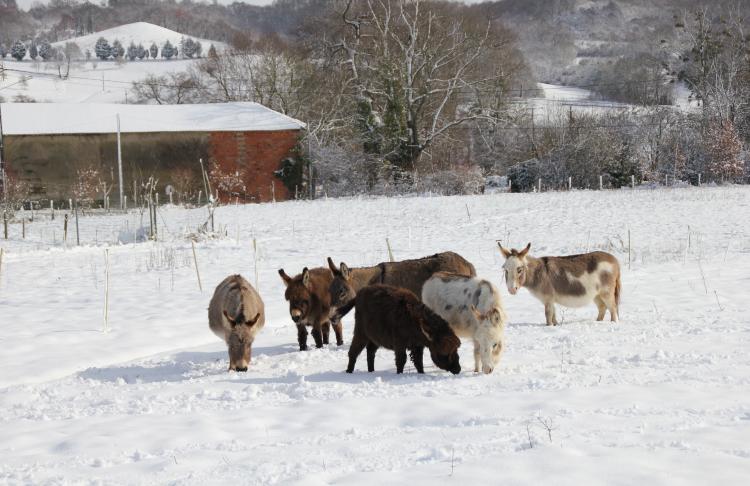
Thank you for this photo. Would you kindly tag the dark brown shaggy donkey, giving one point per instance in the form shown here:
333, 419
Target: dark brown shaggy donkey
310, 305
407, 274
395, 319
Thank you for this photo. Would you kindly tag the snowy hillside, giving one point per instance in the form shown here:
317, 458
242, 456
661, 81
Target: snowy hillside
96, 81
138, 32
659, 399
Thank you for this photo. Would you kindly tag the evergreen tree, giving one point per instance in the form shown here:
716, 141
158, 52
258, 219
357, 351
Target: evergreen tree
103, 49
3, 51
117, 50
167, 50
198, 49
154, 50
140, 52
188, 48
212, 52
18, 50
132, 51
33, 51
45, 50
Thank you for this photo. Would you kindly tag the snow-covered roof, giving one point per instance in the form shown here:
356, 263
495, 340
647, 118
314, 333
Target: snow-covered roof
85, 118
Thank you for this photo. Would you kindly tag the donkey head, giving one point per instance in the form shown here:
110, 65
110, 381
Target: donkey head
299, 294
341, 288
515, 267
240, 340
489, 335
441, 341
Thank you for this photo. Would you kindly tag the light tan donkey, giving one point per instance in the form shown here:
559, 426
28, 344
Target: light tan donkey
236, 314
571, 281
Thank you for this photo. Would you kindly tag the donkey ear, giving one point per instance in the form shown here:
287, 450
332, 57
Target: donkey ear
253, 321
232, 322
286, 278
345, 271
523, 252
332, 266
306, 277
449, 344
424, 331
506, 253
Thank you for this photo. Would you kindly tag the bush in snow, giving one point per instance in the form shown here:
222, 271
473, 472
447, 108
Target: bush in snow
102, 49
724, 148
117, 50
45, 50
154, 50
3, 51
461, 180
140, 52
18, 50
198, 49
212, 52
33, 52
168, 50
132, 51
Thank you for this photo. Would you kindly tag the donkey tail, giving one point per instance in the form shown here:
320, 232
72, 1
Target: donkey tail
618, 289
344, 310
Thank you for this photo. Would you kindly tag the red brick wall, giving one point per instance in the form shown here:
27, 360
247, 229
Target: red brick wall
259, 154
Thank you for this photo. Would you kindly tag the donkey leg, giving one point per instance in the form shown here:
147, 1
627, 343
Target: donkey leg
338, 328
326, 331
549, 314
358, 344
302, 337
400, 359
372, 348
611, 303
601, 306
477, 358
417, 357
317, 335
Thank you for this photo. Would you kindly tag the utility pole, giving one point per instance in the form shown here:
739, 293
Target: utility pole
2, 155
119, 163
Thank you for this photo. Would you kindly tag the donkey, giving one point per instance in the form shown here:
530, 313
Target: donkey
407, 274
473, 309
310, 305
571, 281
236, 314
395, 319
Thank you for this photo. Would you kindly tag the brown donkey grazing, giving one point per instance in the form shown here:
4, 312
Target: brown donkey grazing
236, 315
395, 319
571, 281
407, 274
310, 305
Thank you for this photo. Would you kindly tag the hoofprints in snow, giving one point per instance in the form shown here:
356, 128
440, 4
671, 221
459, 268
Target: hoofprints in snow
47, 144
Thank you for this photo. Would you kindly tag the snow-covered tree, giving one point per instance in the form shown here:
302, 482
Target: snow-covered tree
132, 51
198, 49
3, 51
140, 52
117, 50
212, 52
45, 50
18, 50
103, 49
168, 50
88, 55
154, 50
33, 51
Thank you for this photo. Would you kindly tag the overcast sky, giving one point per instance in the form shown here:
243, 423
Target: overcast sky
25, 4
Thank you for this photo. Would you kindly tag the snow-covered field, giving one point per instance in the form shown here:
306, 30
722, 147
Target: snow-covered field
661, 398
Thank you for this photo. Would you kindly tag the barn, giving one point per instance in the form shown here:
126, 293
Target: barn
246, 148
